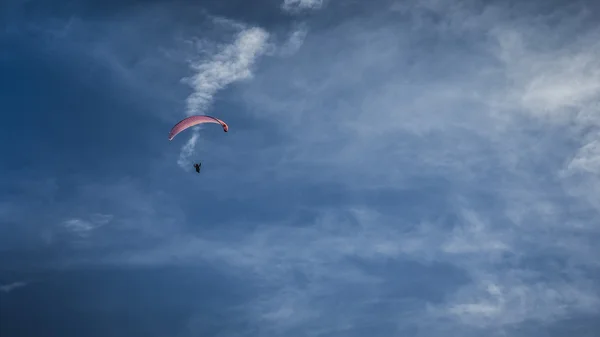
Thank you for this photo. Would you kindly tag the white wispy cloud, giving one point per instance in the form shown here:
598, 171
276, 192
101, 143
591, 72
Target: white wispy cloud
556, 83
233, 63
188, 150
587, 159
557, 80
84, 228
297, 5
294, 41
12, 286
513, 298
79, 226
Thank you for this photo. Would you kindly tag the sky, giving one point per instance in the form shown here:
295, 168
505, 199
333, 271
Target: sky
392, 168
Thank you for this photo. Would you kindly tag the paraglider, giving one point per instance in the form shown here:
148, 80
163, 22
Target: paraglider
195, 120
192, 121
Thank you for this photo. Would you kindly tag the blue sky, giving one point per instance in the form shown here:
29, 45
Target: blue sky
422, 168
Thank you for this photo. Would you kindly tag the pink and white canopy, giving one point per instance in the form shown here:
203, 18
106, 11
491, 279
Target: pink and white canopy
195, 120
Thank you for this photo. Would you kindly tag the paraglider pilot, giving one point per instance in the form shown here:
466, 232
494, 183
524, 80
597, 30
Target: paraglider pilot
197, 166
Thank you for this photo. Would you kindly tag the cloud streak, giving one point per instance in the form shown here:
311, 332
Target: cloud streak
7, 288
233, 63
299, 5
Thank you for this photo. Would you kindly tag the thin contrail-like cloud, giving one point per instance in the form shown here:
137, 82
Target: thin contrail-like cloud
6, 288
232, 64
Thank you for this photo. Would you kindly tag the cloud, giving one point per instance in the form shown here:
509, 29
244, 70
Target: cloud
188, 150
298, 5
84, 228
516, 300
557, 80
294, 42
495, 124
7, 288
551, 82
306, 268
302, 265
586, 160
436, 165
79, 226
233, 63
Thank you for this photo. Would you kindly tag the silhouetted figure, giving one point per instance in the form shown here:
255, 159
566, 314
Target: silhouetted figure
197, 166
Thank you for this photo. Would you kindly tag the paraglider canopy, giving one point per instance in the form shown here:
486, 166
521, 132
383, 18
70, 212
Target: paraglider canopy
195, 120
